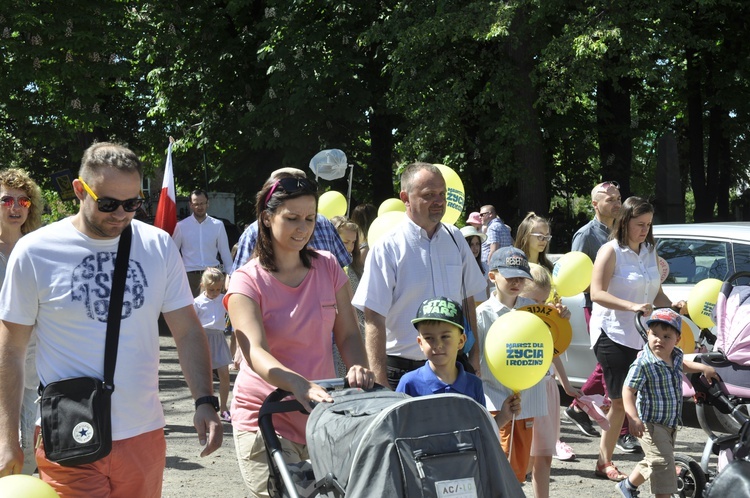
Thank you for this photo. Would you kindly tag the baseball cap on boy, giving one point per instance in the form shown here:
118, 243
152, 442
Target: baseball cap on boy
440, 309
667, 316
510, 262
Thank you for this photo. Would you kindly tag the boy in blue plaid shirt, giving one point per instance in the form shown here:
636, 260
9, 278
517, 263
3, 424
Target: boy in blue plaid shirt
655, 378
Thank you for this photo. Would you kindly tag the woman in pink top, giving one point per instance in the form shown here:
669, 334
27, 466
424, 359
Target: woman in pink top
283, 305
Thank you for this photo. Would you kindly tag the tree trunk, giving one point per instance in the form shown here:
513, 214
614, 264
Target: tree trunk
717, 181
528, 151
703, 204
381, 158
613, 128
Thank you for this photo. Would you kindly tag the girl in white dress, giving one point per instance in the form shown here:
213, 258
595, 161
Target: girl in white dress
210, 309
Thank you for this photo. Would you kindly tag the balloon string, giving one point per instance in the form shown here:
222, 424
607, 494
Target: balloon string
512, 433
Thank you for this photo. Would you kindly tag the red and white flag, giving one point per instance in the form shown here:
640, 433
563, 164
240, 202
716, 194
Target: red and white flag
166, 211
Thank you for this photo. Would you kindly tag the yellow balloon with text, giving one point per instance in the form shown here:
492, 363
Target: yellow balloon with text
383, 224
518, 350
332, 204
24, 486
454, 194
702, 300
389, 205
571, 274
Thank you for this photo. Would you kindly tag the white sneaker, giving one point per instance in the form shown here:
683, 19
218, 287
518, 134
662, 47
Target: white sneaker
564, 452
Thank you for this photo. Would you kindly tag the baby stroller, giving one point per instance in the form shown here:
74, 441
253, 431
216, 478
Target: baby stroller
694, 479
386, 444
730, 397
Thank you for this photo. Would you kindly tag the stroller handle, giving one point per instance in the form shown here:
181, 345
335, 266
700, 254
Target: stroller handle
639, 326
736, 275
274, 403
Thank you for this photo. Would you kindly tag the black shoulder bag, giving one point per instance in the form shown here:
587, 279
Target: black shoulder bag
76, 412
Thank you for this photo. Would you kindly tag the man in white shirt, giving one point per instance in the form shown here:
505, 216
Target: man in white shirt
200, 238
419, 259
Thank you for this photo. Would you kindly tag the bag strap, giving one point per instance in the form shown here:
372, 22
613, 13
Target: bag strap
114, 314
463, 286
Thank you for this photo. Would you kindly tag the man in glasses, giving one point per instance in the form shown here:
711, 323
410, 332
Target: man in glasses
324, 237
606, 200
498, 233
200, 238
58, 286
419, 259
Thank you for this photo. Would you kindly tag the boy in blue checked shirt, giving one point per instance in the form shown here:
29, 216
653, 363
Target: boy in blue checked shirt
655, 377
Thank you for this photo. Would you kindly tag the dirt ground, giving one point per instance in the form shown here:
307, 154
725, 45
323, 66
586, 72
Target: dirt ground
187, 474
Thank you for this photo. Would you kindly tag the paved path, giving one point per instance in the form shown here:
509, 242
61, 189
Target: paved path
188, 475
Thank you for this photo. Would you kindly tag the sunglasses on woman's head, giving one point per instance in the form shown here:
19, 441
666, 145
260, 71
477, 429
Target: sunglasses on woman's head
604, 186
291, 185
21, 201
109, 205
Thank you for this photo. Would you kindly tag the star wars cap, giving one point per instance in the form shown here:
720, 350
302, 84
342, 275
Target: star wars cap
440, 309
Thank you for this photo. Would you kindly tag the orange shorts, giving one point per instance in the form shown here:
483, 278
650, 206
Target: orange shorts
522, 435
135, 467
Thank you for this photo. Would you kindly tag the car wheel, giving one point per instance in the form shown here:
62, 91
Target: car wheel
691, 480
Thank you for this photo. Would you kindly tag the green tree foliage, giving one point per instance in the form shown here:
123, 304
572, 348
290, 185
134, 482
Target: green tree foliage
66, 79
529, 101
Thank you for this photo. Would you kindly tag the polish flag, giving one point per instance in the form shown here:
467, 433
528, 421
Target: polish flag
166, 211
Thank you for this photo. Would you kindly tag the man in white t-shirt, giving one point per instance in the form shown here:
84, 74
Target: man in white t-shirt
60, 276
419, 259
200, 238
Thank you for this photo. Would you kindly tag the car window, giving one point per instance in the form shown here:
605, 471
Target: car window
692, 260
741, 260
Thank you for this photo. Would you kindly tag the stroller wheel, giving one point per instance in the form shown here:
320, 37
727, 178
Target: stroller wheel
728, 423
690, 477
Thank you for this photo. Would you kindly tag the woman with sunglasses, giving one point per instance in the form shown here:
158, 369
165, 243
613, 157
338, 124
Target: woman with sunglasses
20, 213
283, 304
533, 239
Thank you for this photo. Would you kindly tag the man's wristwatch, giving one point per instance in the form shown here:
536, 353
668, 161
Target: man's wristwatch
212, 400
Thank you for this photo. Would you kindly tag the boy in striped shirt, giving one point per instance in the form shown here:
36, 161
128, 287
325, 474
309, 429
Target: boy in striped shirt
652, 395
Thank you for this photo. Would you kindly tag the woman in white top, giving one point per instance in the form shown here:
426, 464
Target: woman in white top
625, 280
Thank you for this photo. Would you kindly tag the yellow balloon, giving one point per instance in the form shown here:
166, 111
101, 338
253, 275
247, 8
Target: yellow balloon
389, 205
518, 350
332, 204
454, 195
23, 486
687, 339
383, 224
571, 274
702, 300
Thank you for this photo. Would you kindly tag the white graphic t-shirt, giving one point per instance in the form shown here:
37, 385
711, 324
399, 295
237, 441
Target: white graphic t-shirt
59, 280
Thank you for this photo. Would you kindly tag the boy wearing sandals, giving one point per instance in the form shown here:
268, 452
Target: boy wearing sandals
652, 396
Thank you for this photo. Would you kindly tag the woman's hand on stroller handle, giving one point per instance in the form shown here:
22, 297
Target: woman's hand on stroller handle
359, 376
309, 394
